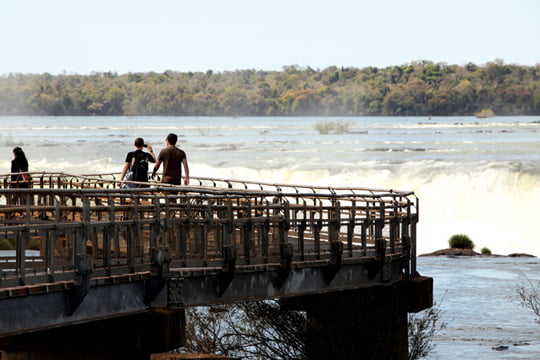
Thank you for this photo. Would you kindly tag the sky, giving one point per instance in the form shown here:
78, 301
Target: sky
81, 37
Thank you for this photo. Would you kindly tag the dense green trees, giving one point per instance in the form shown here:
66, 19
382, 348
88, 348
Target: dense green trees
418, 88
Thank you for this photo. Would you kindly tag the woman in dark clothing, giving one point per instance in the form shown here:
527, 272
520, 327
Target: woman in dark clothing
19, 164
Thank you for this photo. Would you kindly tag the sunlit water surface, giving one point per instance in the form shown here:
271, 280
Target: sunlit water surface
478, 297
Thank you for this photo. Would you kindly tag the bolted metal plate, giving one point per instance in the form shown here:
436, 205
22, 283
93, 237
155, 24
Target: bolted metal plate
175, 292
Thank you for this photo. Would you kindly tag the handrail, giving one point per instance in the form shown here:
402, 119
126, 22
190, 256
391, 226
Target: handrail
113, 179
66, 217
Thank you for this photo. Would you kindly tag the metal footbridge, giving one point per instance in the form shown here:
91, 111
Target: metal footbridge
76, 249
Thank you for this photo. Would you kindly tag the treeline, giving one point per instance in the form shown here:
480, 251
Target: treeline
418, 88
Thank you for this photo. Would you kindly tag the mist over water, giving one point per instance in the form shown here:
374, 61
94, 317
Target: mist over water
480, 177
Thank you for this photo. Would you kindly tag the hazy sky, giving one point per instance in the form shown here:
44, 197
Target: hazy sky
77, 36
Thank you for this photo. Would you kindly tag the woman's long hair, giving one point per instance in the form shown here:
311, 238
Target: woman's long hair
20, 159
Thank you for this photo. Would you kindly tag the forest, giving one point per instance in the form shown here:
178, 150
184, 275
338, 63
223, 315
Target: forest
418, 88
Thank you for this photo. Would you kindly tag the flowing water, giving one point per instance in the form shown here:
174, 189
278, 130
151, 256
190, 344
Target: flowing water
478, 299
480, 177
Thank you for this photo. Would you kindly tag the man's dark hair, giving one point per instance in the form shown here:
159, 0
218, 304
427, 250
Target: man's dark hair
172, 138
139, 142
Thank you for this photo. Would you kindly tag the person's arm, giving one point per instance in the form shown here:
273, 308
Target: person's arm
159, 160
151, 152
186, 171
127, 164
124, 171
156, 168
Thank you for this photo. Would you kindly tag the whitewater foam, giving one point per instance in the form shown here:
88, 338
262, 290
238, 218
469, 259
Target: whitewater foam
485, 184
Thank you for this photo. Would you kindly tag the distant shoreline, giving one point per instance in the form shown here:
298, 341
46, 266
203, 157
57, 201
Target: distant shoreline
420, 88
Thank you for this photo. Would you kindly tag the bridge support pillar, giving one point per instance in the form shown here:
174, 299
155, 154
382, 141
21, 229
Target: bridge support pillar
368, 323
127, 337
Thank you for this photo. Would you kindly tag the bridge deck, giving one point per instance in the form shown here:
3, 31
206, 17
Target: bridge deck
73, 229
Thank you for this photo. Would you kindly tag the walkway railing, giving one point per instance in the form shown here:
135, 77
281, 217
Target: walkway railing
66, 225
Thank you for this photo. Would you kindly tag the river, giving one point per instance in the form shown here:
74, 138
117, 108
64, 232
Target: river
480, 177
478, 298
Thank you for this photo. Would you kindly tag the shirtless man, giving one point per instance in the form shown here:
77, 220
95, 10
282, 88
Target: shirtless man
172, 158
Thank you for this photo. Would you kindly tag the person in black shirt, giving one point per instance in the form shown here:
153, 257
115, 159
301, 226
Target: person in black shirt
19, 164
136, 164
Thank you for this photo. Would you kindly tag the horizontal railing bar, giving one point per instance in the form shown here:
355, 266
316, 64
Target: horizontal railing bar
112, 179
